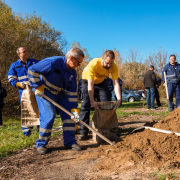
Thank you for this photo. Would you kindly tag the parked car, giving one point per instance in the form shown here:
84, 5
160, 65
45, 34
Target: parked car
140, 92
127, 96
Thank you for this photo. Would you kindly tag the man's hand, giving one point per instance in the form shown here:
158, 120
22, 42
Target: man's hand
20, 85
118, 102
164, 84
94, 105
40, 91
75, 113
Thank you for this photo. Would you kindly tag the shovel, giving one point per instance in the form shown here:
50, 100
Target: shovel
60, 107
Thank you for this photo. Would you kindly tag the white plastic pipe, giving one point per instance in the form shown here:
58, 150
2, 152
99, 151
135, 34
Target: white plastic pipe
160, 130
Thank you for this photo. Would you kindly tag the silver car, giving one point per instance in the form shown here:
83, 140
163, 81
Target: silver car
127, 97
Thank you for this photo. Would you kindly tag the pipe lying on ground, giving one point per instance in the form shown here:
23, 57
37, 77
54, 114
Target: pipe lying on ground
155, 129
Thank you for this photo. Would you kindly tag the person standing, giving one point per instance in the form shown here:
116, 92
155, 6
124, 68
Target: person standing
94, 83
120, 83
17, 75
172, 70
3, 94
109, 82
150, 85
158, 83
56, 78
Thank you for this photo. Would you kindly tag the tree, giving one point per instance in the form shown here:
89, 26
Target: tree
29, 31
87, 58
159, 60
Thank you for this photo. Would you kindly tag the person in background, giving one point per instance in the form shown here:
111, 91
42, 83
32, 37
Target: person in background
94, 83
120, 83
158, 83
172, 70
55, 77
150, 85
109, 82
17, 75
3, 94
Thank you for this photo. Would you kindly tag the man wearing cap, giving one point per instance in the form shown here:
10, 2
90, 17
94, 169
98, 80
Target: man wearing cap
94, 82
150, 85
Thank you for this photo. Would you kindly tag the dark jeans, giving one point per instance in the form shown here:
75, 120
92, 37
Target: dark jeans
174, 88
1, 122
157, 97
101, 91
150, 97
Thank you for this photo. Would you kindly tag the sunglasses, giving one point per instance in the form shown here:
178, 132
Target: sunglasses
77, 61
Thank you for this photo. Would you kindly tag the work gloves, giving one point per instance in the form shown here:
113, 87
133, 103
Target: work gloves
75, 113
39, 90
20, 85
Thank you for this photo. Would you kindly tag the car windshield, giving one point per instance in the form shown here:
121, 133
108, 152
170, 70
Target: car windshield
126, 92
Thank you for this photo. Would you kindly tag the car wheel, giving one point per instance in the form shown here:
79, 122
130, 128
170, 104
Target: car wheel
131, 99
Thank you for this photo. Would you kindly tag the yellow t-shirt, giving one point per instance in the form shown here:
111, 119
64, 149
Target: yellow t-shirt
95, 71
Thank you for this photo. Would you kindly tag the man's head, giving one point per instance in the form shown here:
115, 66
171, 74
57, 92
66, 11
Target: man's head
151, 67
108, 59
74, 58
172, 59
22, 53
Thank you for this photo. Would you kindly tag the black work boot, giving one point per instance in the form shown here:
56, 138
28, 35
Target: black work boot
42, 150
83, 137
37, 128
75, 147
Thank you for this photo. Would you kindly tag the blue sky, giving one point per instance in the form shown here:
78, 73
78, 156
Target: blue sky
144, 25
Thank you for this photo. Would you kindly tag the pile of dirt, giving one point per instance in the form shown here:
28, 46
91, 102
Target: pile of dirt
144, 149
171, 122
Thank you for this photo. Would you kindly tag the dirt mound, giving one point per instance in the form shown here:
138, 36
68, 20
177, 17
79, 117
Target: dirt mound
145, 149
171, 122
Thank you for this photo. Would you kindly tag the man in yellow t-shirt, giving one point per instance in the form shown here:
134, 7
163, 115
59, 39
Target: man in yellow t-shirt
94, 85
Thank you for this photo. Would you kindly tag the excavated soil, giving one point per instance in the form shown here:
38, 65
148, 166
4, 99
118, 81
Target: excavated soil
141, 155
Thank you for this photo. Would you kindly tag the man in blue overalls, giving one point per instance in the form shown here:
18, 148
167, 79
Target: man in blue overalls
17, 75
172, 70
56, 78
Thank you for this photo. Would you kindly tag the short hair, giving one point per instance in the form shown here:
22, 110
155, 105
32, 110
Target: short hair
151, 66
172, 55
75, 52
17, 51
109, 53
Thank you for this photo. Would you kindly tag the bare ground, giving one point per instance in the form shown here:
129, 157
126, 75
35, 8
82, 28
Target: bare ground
141, 155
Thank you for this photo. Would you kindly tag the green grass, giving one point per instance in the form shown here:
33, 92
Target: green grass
12, 139
161, 176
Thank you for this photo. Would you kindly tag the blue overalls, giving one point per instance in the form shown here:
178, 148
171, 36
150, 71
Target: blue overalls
173, 82
18, 73
59, 85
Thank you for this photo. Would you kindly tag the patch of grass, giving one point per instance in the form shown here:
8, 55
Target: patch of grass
12, 139
135, 104
161, 176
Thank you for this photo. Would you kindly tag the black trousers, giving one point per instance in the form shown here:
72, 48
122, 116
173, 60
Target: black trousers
102, 94
157, 97
1, 122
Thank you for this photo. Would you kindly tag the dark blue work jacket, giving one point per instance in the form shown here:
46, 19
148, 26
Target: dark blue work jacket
172, 73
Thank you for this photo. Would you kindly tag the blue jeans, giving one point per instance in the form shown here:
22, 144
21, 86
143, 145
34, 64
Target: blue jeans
150, 97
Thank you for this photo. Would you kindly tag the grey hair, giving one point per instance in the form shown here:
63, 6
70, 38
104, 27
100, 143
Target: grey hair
75, 52
17, 51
